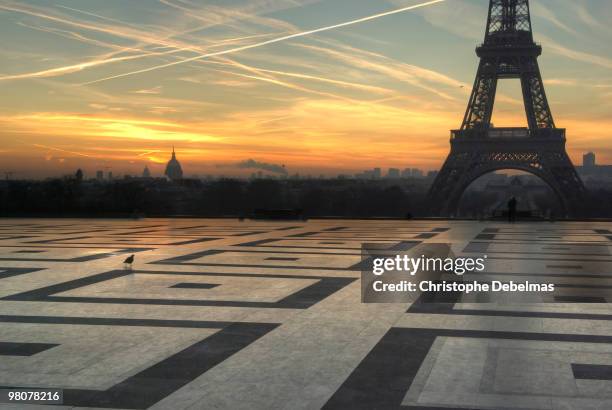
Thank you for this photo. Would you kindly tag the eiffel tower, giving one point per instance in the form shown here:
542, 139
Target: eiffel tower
478, 148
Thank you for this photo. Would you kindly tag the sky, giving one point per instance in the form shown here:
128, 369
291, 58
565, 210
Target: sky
114, 85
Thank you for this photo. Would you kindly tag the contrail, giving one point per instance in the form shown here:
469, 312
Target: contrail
62, 150
345, 84
82, 66
272, 41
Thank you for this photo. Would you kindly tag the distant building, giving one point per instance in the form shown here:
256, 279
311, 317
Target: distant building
110, 175
393, 173
406, 173
146, 173
368, 174
588, 161
376, 173
99, 175
594, 175
432, 174
79, 175
417, 173
174, 171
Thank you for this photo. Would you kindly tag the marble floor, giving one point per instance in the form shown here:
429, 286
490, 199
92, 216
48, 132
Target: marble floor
228, 314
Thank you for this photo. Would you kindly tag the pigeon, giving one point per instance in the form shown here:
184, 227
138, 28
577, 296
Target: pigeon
127, 263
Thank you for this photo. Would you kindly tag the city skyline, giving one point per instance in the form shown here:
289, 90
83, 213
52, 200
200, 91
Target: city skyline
253, 170
381, 92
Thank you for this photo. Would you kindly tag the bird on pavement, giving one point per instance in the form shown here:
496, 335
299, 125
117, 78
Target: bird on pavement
127, 263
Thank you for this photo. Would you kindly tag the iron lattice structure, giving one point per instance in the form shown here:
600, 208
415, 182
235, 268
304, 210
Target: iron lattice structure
478, 148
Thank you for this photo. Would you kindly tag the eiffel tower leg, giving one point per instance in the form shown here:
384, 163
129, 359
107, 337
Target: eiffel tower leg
444, 186
562, 171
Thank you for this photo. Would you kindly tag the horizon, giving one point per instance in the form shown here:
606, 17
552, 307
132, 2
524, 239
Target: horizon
380, 93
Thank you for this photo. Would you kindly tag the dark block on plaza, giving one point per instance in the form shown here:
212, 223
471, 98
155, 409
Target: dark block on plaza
278, 214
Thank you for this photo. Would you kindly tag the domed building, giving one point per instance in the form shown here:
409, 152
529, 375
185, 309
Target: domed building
173, 168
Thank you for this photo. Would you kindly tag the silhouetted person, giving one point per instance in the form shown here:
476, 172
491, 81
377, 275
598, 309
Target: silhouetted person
512, 209
127, 263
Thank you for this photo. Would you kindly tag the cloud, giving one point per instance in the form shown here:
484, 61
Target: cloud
94, 126
538, 9
268, 42
417, 76
576, 55
53, 72
118, 31
459, 17
158, 37
339, 83
213, 15
580, 9
80, 154
252, 164
223, 16
151, 91
163, 110
97, 106
289, 85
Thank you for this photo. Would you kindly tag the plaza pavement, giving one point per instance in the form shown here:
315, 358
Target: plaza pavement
228, 314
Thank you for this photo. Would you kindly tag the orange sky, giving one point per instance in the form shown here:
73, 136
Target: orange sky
380, 93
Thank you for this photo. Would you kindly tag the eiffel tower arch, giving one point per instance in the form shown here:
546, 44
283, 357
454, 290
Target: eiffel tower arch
478, 148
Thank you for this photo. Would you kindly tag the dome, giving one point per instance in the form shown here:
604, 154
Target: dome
173, 168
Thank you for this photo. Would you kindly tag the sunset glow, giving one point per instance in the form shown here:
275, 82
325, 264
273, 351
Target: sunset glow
321, 86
